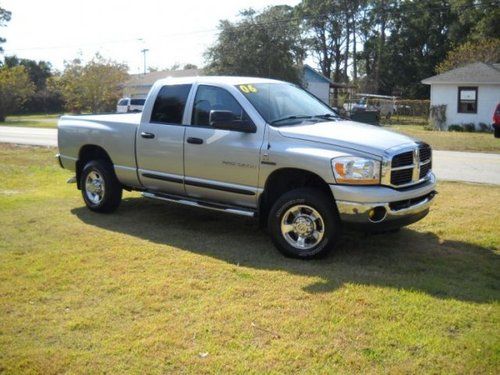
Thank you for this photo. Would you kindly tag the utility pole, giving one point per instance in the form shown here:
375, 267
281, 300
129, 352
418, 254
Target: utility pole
144, 53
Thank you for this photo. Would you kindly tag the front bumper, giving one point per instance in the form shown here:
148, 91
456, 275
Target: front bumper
383, 208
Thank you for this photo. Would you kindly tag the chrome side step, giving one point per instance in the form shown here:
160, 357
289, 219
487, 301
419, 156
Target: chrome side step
211, 206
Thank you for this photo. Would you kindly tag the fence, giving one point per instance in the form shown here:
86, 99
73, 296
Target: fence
400, 111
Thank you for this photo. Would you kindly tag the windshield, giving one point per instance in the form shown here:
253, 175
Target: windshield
285, 104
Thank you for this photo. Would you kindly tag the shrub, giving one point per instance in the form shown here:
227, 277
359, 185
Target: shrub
437, 116
455, 128
487, 128
469, 127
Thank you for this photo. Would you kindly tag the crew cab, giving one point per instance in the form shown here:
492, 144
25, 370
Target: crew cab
255, 147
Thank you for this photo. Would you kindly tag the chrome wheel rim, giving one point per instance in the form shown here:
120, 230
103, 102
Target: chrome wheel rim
94, 187
302, 227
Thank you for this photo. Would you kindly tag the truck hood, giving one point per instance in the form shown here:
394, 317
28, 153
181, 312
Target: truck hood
348, 134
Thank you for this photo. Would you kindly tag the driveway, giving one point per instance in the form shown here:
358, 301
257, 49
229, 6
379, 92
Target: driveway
448, 165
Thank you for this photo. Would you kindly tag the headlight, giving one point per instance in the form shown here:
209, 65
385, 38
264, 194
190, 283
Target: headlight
355, 170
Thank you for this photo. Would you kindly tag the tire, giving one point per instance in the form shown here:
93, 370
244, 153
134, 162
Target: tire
497, 131
304, 224
101, 190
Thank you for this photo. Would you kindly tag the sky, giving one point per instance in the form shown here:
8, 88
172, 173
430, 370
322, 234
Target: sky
173, 31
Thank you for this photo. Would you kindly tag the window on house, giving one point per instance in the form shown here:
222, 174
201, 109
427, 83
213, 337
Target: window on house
467, 100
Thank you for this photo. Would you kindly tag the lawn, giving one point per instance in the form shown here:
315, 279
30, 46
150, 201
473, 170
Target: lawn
33, 121
158, 288
453, 141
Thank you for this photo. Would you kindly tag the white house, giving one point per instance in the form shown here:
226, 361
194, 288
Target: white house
470, 93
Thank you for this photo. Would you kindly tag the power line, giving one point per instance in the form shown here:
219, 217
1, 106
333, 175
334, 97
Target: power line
324, 16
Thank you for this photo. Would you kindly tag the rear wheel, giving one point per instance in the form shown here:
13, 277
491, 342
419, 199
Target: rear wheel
304, 224
101, 190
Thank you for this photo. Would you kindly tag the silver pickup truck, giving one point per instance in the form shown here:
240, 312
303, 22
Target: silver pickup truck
254, 147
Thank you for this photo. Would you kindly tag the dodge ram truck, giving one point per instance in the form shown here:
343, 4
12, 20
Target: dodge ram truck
255, 147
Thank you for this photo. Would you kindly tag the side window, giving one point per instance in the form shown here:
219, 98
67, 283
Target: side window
169, 104
123, 102
210, 98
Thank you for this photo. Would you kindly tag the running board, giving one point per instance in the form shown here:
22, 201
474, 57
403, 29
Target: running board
211, 206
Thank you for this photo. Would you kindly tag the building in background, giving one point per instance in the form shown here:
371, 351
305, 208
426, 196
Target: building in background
139, 85
470, 93
319, 85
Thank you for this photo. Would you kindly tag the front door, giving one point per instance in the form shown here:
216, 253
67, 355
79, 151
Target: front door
221, 165
160, 141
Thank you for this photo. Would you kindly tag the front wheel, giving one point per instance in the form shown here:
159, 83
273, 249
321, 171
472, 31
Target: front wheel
101, 190
497, 131
304, 224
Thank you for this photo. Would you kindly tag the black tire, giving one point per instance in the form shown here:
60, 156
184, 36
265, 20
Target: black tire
312, 198
112, 192
497, 131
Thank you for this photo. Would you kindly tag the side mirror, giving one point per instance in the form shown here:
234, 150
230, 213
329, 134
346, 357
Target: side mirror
227, 120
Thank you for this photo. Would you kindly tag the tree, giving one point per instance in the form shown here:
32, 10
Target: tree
266, 44
487, 50
95, 86
42, 100
15, 89
189, 66
4, 18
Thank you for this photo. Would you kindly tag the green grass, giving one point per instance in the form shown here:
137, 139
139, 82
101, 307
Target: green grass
158, 288
452, 141
33, 121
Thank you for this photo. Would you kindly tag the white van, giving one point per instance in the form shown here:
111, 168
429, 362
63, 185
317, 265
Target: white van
130, 105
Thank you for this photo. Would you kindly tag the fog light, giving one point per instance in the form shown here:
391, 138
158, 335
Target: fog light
377, 214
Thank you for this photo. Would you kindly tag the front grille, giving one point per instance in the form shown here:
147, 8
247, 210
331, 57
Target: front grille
406, 158
425, 152
424, 169
404, 166
401, 177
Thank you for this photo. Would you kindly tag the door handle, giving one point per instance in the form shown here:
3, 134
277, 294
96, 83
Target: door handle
147, 135
195, 141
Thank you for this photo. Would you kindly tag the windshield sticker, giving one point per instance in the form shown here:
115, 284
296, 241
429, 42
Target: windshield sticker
248, 89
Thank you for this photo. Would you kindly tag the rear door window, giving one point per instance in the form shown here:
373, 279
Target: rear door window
137, 102
170, 103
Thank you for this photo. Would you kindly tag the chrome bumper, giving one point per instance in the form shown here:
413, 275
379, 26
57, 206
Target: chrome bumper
396, 209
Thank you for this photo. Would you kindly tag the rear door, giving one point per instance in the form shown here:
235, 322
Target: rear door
160, 141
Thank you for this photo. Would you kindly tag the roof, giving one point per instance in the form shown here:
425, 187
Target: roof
321, 77
475, 73
147, 80
228, 80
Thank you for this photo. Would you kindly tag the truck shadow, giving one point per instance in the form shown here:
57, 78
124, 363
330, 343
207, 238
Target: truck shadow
408, 260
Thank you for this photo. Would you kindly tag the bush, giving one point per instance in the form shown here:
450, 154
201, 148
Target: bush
455, 128
487, 128
469, 127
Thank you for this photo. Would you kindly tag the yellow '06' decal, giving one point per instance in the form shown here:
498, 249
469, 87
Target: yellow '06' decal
247, 89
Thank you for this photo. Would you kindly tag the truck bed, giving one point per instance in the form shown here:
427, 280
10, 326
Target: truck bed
114, 133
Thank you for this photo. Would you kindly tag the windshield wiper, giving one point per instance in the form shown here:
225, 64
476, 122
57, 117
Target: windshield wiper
327, 116
294, 117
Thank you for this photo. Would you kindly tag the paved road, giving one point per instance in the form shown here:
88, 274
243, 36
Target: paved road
467, 166
28, 136
448, 165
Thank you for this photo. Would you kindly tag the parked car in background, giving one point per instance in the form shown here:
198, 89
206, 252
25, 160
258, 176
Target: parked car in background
126, 105
496, 121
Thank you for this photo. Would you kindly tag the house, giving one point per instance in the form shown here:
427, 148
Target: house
319, 85
139, 84
470, 93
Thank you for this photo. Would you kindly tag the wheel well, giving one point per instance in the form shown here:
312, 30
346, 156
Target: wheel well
285, 180
86, 154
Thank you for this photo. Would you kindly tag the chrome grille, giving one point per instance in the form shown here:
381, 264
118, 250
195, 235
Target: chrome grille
411, 166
